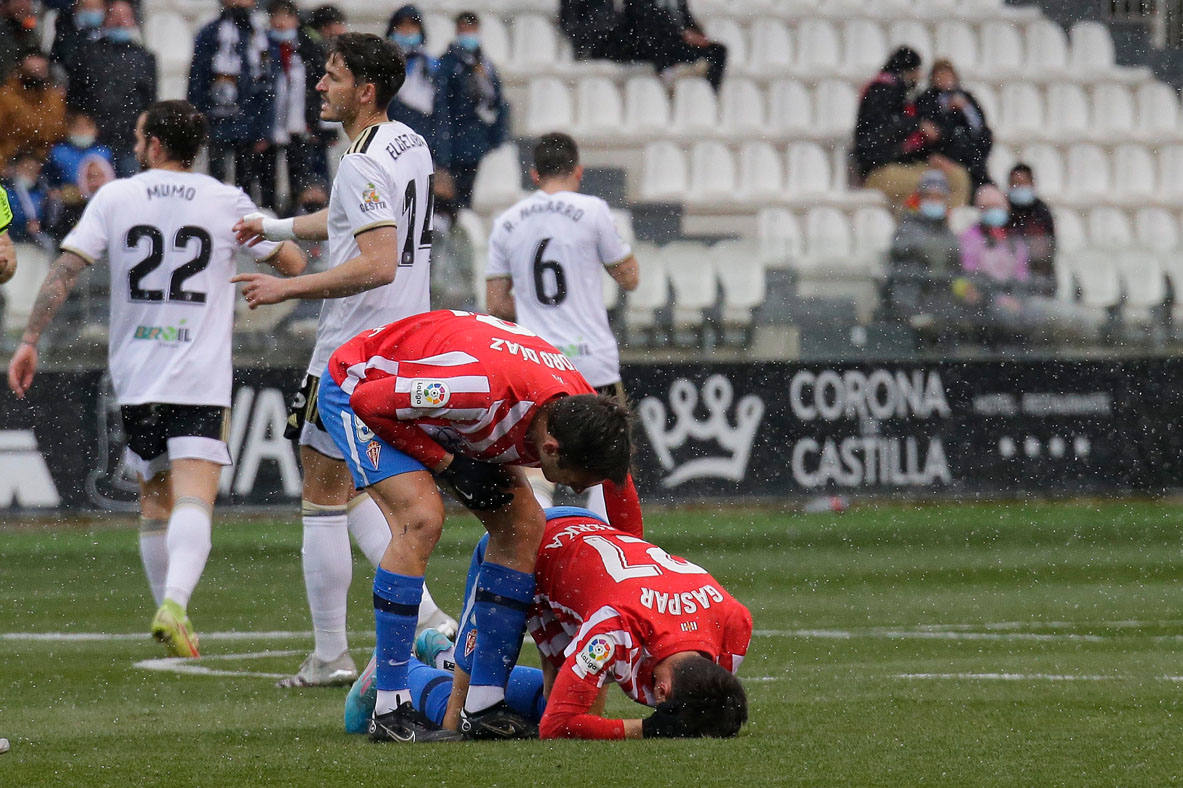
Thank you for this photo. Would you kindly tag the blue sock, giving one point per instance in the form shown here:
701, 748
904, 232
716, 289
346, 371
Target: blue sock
396, 612
467, 616
524, 693
430, 689
503, 597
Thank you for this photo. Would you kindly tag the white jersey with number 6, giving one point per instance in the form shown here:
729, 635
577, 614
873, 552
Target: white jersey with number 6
555, 247
169, 240
384, 180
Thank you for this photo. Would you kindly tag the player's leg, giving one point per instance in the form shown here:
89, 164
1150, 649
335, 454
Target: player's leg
504, 593
156, 504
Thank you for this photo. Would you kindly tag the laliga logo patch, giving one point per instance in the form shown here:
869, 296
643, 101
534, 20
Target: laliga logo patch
373, 451
596, 653
470, 643
429, 394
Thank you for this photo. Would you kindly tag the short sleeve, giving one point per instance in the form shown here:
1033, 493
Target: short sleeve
90, 236
609, 244
498, 262
366, 194
242, 206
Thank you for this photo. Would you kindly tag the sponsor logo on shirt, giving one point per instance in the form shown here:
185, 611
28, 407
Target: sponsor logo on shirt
470, 642
178, 333
374, 451
596, 653
429, 394
371, 200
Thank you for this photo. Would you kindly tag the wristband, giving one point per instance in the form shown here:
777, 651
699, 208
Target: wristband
275, 229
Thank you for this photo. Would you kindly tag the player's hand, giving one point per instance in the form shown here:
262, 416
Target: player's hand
248, 231
481, 486
7, 258
665, 723
259, 289
21, 369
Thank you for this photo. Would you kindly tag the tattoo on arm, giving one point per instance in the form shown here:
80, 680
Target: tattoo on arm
60, 280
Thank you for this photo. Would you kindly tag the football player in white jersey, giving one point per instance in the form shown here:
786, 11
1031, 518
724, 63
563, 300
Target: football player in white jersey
378, 227
167, 235
545, 258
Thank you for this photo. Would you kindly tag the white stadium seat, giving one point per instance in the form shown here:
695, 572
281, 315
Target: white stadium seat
695, 107
1158, 110
912, 33
599, 108
623, 221
494, 39
438, 32
874, 228
535, 41
168, 36
1157, 229
712, 173
646, 105
866, 47
963, 217
790, 107
1142, 279
761, 175
1113, 109
1002, 48
729, 33
1170, 168
664, 172
741, 107
1096, 272
835, 107
1092, 47
1109, 228
1087, 172
549, 106
1070, 231
1068, 112
807, 171
819, 48
987, 99
1133, 172
781, 237
772, 47
1022, 109
652, 291
956, 41
498, 180
687, 263
1047, 48
829, 243
21, 291
1048, 165
739, 268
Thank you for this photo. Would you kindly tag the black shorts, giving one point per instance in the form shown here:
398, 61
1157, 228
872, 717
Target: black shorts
302, 408
196, 432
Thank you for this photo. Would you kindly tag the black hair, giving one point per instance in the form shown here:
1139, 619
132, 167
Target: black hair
406, 13
555, 154
594, 432
180, 128
282, 7
901, 60
1022, 168
325, 15
372, 59
709, 698
467, 18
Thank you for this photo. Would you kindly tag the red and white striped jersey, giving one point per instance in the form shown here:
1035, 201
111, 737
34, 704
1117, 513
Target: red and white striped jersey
450, 381
609, 605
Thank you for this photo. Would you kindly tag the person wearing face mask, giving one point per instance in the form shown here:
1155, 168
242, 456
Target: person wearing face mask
19, 33
471, 116
66, 157
113, 79
83, 23
995, 256
924, 254
893, 146
299, 62
965, 136
32, 109
414, 104
27, 196
1031, 219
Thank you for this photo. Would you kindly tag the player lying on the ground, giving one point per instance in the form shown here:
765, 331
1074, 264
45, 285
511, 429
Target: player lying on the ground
608, 606
463, 396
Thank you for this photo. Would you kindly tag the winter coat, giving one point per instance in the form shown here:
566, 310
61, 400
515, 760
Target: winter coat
113, 82
232, 81
887, 129
965, 136
32, 119
471, 116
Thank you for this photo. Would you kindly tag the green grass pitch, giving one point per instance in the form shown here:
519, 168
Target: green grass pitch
977, 644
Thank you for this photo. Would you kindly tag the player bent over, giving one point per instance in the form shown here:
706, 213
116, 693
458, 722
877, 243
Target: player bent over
460, 396
608, 607
168, 239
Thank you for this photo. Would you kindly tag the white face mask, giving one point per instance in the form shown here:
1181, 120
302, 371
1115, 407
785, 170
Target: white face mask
82, 140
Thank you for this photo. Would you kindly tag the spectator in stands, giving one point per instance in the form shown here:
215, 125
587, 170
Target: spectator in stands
415, 101
471, 116
924, 256
113, 79
85, 23
325, 23
666, 34
964, 135
232, 82
27, 196
988, 248
32, 109
66, 157
593, 28
295, 133
1031, 220
19, 33
69, 200
892, 146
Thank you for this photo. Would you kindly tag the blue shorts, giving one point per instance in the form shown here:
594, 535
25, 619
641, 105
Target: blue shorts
370, 459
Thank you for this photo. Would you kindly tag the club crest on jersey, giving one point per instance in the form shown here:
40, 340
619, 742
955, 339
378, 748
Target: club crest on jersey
595, 655
470, 642
374, 451
371, 200
429, 394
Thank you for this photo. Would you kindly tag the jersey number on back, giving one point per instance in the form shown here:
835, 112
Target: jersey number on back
409, 208
541, 266
616, 563
176, 290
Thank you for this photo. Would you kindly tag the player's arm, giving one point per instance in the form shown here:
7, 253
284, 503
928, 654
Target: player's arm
626, 273
288, 259
255, 228
623, 506
572, 713
375, 266
60, 280
499, 297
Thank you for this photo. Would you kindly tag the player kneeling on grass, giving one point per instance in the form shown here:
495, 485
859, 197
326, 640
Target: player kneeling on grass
460, 397
608, 606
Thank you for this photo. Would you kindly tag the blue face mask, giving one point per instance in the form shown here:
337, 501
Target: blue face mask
406, 42
283, 36
470, 41
120, 35
995, 217
1022, 195
88, 20
931, 209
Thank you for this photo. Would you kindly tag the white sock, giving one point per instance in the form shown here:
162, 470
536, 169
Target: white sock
481, 698
430, 616
389, 700
328, 569
188, 547
154, 554
543, 489
369, 528
595, 501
